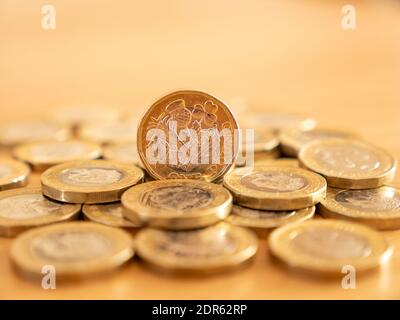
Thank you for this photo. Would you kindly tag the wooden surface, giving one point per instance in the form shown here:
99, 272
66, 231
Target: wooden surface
279, 55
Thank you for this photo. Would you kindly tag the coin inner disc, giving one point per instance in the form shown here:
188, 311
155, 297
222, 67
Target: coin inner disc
212, 243
331, 244
369, 199
71, 247
90, 176
180, 198
274, 181
347, 158
27, 207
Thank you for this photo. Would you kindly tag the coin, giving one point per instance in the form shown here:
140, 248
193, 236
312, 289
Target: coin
378, 208
286, 162
276, 121
260, 144
74, 115
42, 155
24, 208
15, 133
326, 246
90, 181
13, 174
188, 134
292, 140
275, 188
74, 249
110, 214
216, 248
124, 152
261, 219
108, 133
349, 163
177, 203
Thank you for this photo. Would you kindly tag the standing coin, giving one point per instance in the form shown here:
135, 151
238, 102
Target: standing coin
24, 208
74, 249
188, 134
110, 214
16, 133
275, 188
348, 163
212, 249
326, 246
379, 208
91, 181
177, 203
107, 133
42, 155
261, 220
292, 140
124, 152
13, 174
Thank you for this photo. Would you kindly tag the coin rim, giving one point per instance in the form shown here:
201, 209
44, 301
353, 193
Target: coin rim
18, 177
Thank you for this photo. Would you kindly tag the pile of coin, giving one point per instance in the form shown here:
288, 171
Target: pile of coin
187, 191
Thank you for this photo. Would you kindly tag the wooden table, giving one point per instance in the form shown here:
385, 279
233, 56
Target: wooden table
290, 56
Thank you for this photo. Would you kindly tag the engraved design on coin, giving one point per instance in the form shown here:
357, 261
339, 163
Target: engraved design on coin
274, 181
71, 246
4, 171
331, 244
180, 198
348, 159
90, 176
54, 151
261, 214
198, 243
27, 207
369, 200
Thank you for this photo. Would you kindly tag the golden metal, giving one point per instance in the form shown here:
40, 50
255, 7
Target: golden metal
216, 248
326, 246
90, 182
378, 208
275, 188
42, 155
25, 208
177, 204
74, 249
13, 174
349, 163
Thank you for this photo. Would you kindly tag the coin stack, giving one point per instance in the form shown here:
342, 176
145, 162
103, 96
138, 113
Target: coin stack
197, 209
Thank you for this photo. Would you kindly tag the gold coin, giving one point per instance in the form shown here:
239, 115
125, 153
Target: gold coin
379, 207
124, 152
276, 121
15, 133
177, 204
292, 140
109, 132
275, 188
286, 162
90, 181
326, 246
261, 219
110, 214
216, 248
349, 163
74, 115
24, 208
188, 134
13, 174
74, 249
42, 155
